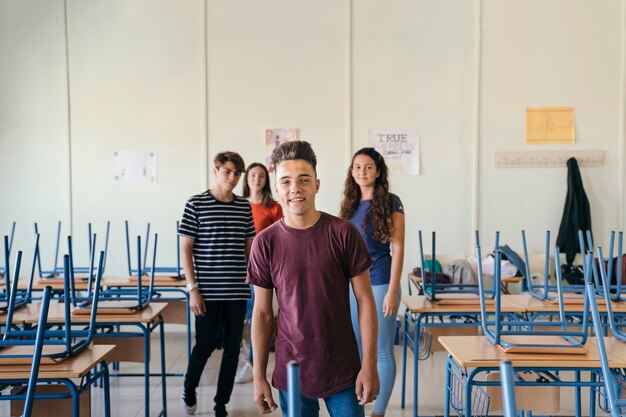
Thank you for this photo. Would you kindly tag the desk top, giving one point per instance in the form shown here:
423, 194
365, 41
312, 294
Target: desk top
535, 305
159, 282
478, 351
56, 314
420, 304
74, 367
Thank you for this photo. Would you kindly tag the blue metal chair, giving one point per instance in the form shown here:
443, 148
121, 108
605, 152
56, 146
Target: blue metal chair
173, 271
615, 287
118, 300
2, 267
293, 390
68, 341
36, 358
507, 379
508, 333
56, 270
453, 293
613, 378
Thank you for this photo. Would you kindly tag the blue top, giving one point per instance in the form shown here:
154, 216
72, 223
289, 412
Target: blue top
380, 271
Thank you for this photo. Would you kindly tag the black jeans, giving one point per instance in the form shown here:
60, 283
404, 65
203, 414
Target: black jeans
231, 315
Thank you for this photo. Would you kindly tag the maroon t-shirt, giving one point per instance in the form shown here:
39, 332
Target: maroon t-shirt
310, 270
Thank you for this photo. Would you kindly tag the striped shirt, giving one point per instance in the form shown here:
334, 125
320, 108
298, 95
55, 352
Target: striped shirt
220, 230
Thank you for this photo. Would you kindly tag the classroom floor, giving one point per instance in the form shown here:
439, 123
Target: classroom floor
127, 393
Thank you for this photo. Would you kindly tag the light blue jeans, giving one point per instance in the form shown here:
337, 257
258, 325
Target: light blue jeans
386, 335
340, 404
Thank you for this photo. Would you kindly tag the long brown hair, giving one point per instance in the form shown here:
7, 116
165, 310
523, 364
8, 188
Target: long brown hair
266, 192
380, 208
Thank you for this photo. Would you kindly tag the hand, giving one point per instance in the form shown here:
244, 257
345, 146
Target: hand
263, 396
196, 303
367, 385
390, 304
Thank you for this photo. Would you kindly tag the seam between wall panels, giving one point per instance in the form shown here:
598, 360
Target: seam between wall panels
70, 196
621, 180
476, 114
205, 142
349, 84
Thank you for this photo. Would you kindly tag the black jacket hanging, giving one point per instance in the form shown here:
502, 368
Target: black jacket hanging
576, 213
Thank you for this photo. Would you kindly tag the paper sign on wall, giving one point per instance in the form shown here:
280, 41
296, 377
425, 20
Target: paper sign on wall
399, 148
275, 137
138, 167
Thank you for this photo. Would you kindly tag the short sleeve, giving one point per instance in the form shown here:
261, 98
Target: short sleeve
396, 204
250, 230
259, 270
189, 223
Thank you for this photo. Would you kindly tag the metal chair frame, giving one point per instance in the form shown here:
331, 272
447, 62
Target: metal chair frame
3, 267
174, 271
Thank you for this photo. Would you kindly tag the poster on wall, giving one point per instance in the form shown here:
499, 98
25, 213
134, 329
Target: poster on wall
275, 137
135, 167
400, 148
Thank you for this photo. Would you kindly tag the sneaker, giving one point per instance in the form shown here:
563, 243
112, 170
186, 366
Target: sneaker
220, 410
245, 374
189, 401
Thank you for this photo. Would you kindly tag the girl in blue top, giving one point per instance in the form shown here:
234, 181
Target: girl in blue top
379, 216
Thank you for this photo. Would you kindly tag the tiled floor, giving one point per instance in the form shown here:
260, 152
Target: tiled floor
127, 393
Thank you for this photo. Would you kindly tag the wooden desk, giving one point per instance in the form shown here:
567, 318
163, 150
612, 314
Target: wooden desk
146, 320
79, 366
420, 309
479, 354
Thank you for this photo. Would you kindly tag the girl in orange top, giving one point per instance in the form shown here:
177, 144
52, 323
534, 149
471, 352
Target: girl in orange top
256, 188
265, 211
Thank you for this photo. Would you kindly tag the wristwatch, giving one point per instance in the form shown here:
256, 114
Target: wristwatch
191, 287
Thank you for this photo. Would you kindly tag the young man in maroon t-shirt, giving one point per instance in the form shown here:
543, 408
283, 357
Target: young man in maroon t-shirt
310, 259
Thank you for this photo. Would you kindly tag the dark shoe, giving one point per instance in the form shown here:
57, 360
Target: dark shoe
189, 400
220, 410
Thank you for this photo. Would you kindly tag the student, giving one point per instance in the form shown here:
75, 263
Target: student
311, 258
379, 216
265, 211
216, 234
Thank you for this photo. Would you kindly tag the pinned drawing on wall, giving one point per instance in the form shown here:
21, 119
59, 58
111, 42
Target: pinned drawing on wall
550, 125
275, 137
137, 167
400, 148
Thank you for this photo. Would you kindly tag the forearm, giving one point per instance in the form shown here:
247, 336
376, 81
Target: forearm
397, 261
368, 324
187, 260
262, 325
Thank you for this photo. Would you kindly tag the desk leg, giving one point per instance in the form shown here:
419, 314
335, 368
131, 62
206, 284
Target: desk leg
592, 397
163, 370
578, 406
404, 346
146, 370
448, 390
416, 332
105, 386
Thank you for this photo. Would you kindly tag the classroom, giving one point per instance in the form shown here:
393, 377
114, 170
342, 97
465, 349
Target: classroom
180, 81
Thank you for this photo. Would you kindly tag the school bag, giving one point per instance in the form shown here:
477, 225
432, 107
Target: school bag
460, 272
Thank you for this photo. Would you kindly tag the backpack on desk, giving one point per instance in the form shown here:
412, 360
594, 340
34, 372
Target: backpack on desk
460, 272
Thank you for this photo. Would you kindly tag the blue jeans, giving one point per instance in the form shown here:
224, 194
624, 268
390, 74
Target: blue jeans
386, 335
340, 404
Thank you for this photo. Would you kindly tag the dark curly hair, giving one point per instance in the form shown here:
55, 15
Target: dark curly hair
266, 191
380, 209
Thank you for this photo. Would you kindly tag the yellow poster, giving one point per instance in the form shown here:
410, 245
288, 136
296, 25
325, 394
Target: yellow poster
550, 125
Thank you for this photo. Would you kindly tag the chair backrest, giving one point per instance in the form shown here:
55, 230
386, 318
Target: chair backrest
507, 381
130, 299
431, 287
173, 271
39, 342
10, 293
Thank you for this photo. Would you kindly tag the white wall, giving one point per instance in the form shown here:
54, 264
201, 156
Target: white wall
189, 79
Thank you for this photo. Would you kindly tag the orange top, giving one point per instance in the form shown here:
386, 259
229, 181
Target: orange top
264, 216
